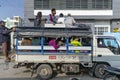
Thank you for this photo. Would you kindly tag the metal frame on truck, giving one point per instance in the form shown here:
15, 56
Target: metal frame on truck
48, 64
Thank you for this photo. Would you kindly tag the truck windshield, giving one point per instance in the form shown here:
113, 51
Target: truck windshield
109, 43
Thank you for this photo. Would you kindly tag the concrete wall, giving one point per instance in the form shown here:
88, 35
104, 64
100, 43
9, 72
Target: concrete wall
116, 9
28, 12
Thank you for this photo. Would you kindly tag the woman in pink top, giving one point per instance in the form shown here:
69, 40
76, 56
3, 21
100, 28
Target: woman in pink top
55, 44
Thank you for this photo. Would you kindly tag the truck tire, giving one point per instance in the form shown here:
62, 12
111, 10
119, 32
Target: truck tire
110, 77
44, 72
99, 70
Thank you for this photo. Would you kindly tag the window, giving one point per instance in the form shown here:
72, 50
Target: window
106, 4
41, 4
73, 4
100, 42
76, 4
109, 43
16, 24
101, 30
16, 18
69, 4
84, 4
102, 4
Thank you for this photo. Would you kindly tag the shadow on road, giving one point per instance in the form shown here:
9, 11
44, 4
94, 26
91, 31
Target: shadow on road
17, 79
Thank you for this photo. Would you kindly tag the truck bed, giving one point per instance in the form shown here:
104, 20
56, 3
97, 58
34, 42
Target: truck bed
53, 58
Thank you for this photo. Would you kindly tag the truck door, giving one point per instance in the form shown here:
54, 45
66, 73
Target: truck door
108, 50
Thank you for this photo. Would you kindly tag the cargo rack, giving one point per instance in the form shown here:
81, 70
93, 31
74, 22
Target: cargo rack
78, 30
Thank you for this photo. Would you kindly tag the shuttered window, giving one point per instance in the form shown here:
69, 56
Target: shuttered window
73, 4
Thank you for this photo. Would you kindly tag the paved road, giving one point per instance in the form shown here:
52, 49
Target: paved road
8, 73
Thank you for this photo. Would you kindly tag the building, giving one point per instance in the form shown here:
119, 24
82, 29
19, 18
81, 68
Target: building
15, 21
105, 14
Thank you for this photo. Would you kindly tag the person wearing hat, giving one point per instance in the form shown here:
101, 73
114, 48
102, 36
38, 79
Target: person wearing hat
5, 39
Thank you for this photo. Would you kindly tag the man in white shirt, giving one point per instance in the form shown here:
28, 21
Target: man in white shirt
69, 21
61, 19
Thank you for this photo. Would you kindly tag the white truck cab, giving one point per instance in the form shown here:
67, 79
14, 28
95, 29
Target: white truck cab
106, 52
107, 49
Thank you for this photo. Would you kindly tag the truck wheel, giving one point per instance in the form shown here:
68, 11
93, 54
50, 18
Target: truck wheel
99, 70
110, 77
44, 72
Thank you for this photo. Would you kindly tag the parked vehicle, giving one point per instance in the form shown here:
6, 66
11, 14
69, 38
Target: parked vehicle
95, 54
0, 47
112, 73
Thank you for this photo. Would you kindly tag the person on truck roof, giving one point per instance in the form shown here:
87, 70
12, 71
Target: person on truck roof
69, 21
61, 19
52, 18
38, 19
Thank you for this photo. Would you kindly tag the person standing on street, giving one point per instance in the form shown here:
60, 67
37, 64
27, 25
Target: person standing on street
5, 39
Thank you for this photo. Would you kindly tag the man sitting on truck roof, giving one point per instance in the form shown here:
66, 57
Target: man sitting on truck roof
61, 19
69, 21
52, 18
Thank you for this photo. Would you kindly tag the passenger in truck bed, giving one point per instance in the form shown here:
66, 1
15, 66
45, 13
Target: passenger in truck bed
26, 42
56, 44
76, 42
86, 41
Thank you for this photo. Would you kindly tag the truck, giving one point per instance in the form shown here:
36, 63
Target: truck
0, 47
96, 52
